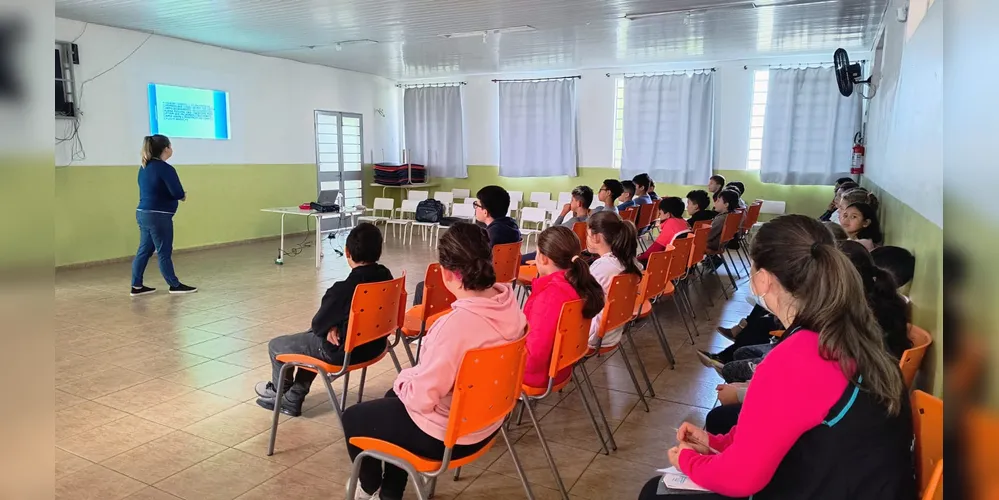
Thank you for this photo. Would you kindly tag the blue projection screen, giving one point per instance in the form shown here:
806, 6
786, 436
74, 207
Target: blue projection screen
188, 112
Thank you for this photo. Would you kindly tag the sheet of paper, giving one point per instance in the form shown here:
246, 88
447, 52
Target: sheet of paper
676, 480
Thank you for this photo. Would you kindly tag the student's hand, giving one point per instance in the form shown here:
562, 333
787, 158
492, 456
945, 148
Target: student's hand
565, 209
693, 437
674, 454
728, 394
332, 338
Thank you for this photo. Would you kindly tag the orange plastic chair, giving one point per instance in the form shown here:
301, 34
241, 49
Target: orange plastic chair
436, 299
983, 458
644, 219
486, 390
676, 287
619, 310
752, 216
374, 315
630, 213
729, 229
655, 280
927, 424
912, 357
580, 229
506, 262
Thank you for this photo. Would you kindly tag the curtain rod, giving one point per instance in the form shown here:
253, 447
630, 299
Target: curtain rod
792, 66
667, 72
421, 85
573, 77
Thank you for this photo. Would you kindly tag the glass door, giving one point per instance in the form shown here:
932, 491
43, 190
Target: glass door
339, 159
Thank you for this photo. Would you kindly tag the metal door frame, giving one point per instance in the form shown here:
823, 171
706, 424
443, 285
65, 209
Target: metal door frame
340, 115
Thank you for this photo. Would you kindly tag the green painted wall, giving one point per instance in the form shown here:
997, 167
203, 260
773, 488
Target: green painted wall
904, 227
800, 199
97, 218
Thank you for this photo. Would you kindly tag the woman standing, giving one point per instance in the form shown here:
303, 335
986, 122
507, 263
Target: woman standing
159, 192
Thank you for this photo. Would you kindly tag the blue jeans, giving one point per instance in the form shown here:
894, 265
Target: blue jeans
155, 234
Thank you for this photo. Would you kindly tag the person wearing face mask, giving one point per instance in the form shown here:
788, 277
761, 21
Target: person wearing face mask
851, 437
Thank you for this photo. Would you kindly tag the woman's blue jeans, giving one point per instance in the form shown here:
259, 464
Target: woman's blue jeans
155, 235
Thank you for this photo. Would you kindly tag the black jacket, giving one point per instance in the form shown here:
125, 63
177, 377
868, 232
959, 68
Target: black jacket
503, 230
700, 216
334, 310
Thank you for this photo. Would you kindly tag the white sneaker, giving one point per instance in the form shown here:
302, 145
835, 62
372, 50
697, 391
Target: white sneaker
359, 493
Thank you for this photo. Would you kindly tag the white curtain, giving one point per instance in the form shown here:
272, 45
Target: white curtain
808, 129
669, 127
434, 135
537, 122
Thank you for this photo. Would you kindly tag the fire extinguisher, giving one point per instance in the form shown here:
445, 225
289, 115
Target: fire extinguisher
857, 165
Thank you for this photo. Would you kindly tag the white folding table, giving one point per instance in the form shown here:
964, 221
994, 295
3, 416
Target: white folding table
346, 215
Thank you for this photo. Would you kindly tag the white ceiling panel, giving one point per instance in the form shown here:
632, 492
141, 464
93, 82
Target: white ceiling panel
564, 34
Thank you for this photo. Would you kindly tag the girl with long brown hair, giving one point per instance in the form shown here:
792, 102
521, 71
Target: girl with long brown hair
850, 436
563, 276
615, 242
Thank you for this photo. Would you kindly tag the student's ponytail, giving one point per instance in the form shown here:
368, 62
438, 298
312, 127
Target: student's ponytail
561, 245
881, 292
620, 235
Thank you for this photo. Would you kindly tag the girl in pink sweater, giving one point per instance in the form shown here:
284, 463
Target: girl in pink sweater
850, 436
564, 277
414, 414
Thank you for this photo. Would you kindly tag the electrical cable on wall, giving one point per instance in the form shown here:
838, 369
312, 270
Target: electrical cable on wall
77, 151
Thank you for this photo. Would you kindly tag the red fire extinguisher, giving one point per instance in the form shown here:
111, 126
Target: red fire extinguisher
857, 165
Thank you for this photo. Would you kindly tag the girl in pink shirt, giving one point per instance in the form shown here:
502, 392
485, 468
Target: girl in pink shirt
414, 413
563, 277
672, 226
850, 437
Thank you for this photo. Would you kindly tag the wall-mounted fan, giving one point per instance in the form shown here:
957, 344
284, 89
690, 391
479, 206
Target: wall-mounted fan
848, 75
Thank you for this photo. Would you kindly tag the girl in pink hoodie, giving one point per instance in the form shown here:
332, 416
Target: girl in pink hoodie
414, 414
564, 277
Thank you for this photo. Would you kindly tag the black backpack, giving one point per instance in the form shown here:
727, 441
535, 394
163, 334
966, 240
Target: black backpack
429, 211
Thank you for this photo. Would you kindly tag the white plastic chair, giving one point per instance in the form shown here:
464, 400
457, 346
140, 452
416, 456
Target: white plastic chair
537, 197
408, 207
446, 198
463, 211
460, 194
535, 216
383, 206
418, 195
564, 198
551, 207
516, 199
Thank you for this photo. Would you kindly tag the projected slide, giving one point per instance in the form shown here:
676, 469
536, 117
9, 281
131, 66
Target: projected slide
188, 112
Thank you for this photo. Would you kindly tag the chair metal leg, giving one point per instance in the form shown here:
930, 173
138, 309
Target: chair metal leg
457, 473
548, 452
520, 411
516, 463
663, 341
395, 359
589, 411
343, 397
360, 388
729, 272
600, 410
634, 379
676, 302
641, 364
409, 351
277, 407
685, 297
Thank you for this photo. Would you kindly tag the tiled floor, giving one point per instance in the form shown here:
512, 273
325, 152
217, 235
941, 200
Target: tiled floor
154, 395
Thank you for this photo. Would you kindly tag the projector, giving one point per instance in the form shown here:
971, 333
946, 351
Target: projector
321, 208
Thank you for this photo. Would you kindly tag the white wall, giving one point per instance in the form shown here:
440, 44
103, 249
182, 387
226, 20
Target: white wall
271, 100
595, 94
905, 124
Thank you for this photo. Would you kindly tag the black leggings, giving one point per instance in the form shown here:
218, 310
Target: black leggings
759, 324
651, 487
388, 420
722, 419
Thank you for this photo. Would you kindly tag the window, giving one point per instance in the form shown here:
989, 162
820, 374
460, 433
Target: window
761, 80
618, 121
65, 88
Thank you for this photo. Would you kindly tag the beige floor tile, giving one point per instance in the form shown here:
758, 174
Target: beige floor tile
104, 383
185, 410
67, 463
252, 357
644, 445
297, 485
261, 333
181, 337
666, 415
95, 483
331, 463
219, 347
163, 364
204, 374
64, 400
221, 477
83, 417
74, 367
197, 319
297, 439
142, 396
570, 462
229, 326
131, 352
164, 457
240, 387
108, 440
573, 429
492, 485
150, 493
97, 344
611, 477
235, 425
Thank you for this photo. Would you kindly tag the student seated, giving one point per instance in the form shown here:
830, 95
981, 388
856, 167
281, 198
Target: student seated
715, 184
672, 226
491, 206
725, 201
643, 183
563, 276
739, 188
615, 242
837, 231
899, 262
834, 204
609, 192
627, 198
652, 191
851, 193
326, 339
582, 197
851, 436
860, 221
699, 207
414, 413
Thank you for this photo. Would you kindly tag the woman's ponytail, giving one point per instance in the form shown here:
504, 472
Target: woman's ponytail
147, 150
589, 289
153, 147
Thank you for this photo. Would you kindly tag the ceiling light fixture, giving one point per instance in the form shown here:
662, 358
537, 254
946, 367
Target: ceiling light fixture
344, 43
494, 31
737, 5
